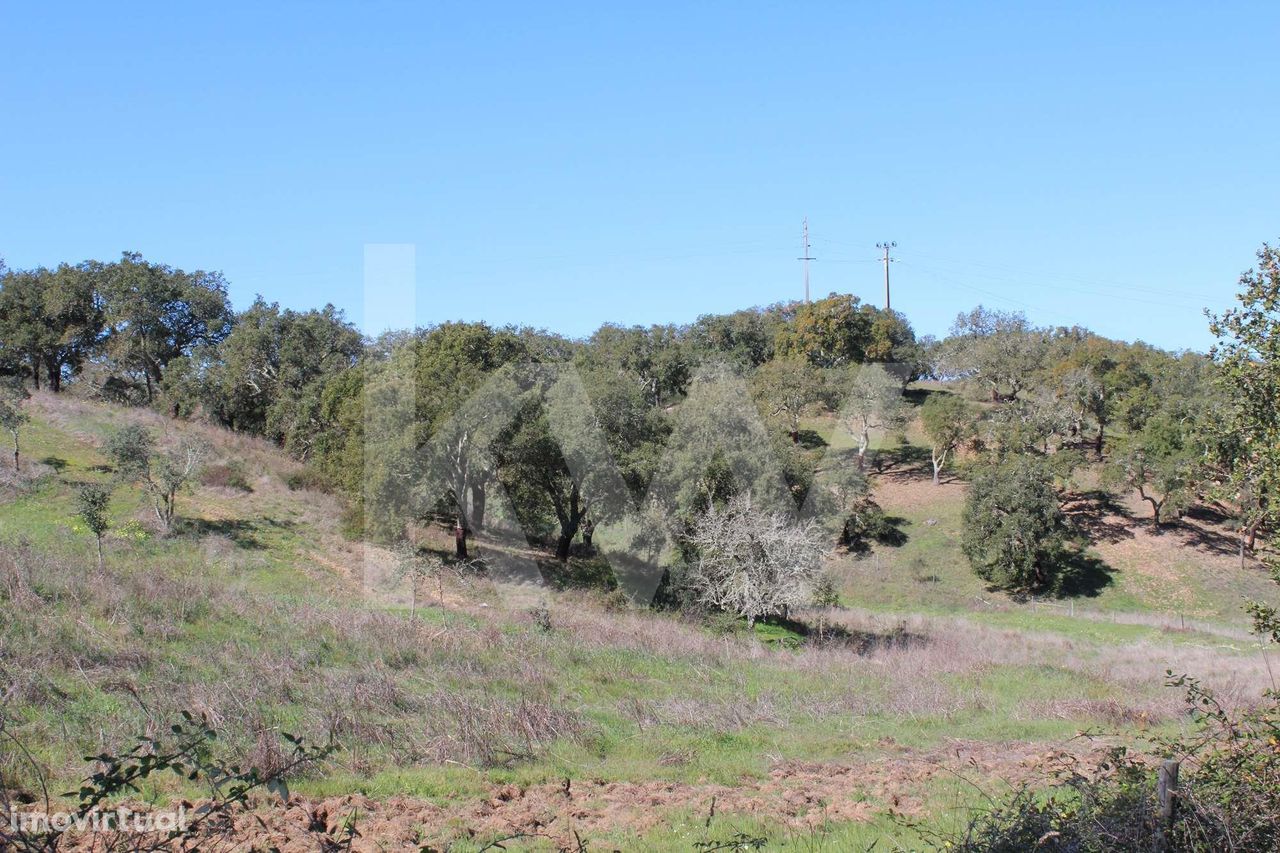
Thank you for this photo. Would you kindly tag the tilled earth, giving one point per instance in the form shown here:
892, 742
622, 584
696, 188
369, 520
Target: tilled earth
798, 795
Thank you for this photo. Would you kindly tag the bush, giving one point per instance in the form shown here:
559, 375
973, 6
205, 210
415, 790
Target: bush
825, 591
92, 502
310, 479
867, 523
186, 752
226, 476
1228, 796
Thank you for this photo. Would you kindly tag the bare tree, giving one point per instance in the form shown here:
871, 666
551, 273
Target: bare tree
163, 473
417, 568
753, 563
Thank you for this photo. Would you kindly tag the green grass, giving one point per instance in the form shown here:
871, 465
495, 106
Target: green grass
293, 643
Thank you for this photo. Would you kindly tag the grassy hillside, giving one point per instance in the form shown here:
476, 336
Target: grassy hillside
460, 723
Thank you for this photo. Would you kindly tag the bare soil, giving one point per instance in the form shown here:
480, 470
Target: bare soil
798, 795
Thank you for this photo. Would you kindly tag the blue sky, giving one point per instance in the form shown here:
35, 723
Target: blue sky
563, 165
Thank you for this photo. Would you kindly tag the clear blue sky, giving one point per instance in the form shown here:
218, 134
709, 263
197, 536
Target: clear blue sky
563, 165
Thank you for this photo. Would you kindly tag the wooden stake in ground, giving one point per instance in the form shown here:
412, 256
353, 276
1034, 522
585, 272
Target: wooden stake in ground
1166, 792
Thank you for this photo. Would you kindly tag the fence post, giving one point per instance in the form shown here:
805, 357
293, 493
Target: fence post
1166, 792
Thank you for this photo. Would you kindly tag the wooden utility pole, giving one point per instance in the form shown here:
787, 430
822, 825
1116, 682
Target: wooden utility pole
804, 242
887, 260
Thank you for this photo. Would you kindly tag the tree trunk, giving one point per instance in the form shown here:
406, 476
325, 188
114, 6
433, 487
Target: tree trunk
1097, 442
569, 523
478, 498
35, 371
1155, 510
99, 552
166, 510
54, 368
460, 540
937, 470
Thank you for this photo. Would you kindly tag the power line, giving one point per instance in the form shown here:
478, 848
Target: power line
1105, 287
1173, 299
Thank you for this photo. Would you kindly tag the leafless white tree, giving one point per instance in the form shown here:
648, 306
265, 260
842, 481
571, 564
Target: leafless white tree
754, 563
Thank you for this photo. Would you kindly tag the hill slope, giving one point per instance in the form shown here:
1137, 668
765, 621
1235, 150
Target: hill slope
461, 723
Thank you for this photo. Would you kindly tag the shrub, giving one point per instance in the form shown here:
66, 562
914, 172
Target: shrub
1228, 796
230, 475
541, 616
867, 523
752, 563
186, 751
92, 501
825, 591
308, 478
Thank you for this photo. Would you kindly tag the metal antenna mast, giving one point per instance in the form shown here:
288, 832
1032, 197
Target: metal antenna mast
806, 258
887, 260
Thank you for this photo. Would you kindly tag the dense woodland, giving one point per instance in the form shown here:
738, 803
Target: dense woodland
1024, 407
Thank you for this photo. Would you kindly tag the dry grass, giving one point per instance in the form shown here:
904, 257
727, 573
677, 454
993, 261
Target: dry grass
209, 621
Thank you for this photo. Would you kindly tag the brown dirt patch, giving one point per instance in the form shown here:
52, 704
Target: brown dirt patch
797, 794
898, 495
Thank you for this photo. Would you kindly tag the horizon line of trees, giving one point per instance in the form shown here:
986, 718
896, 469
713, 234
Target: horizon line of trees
1030, 405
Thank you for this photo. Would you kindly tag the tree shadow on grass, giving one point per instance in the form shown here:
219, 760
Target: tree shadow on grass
245, 534
1078, 575
917, 396
892, 534
817, 630
1201, 525
889, 532
57, 463
905, 462
1100, 516
1082, 576
810, 440
581, 572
